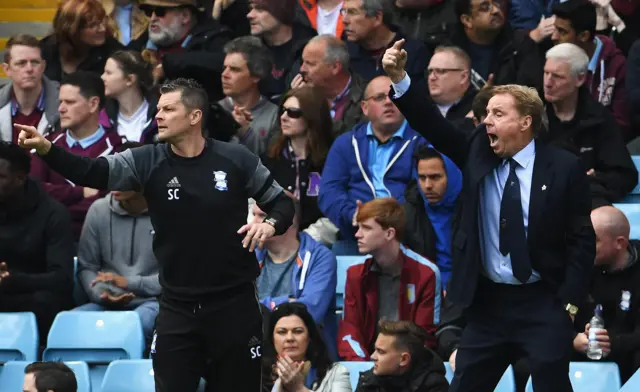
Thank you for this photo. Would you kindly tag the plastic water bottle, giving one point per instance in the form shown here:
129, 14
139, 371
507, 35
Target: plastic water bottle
594, 351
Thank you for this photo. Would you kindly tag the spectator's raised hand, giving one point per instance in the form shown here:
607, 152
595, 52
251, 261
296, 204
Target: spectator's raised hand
290, 373
298, 81
242, 116
394, 61
30, 138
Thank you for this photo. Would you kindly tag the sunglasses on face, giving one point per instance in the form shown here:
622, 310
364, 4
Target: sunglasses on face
158, 10
291, 112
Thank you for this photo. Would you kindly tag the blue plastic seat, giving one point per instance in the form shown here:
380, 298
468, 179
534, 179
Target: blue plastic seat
591, 377
355, 368
634, 195
506, 384
129, 376
632, 212
632, 384
344, 262
18, 337
95, 337
12, 375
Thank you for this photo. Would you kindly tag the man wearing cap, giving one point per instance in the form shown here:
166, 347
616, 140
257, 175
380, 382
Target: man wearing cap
273, 22
184, 43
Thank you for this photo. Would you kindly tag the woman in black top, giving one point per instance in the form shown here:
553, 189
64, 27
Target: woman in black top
296, 158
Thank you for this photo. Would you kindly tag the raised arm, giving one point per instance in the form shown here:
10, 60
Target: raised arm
412, 99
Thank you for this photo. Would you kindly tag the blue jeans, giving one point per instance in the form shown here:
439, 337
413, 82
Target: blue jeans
147, 311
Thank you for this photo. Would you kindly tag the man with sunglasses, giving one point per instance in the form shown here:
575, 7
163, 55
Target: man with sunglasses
184, 42
209, 323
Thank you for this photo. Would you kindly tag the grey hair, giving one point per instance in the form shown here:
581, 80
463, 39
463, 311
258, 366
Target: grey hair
456, 51
336, 50
255, 53
372, 7
192, 94
571, 54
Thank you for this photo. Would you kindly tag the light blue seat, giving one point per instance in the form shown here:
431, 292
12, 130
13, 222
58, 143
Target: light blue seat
344, 262
591, 377
355, 368
18, 337
12, 375
79, 295
506, 384
95, 337
634, 195
632, 384
632, 212
129, 376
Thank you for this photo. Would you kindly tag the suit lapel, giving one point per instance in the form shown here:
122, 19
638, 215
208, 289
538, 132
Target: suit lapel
541, 185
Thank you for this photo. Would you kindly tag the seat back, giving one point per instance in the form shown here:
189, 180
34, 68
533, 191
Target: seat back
12, 375
18, 337
129, 376
506, 384
355, 368
634, 195
632, 384
344, 262
591, 377
95, 337
632, 212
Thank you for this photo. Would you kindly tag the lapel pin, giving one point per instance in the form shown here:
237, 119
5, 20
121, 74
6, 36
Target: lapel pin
544, 187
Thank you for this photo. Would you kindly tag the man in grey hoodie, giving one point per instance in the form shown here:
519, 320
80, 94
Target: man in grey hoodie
116, 264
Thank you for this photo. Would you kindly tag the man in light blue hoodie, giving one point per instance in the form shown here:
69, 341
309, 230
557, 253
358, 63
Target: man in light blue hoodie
296, 268
116, 264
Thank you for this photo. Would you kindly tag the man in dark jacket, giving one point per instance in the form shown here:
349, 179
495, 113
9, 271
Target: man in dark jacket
36, 270
430, 208
185, 43
494, 47
417, 19
633, 83
369, 32
581, 125
615, 285
402, 363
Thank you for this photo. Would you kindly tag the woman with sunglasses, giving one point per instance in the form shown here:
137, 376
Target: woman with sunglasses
296, 356
297, 156
130, 108
80, 40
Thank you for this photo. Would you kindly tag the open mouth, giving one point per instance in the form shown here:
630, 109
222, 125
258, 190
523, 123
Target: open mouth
493, 139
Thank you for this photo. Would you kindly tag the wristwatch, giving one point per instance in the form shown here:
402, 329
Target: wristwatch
572, 309
270, 221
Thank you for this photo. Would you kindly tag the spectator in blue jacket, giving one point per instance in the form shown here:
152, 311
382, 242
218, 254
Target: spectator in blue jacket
296, 268
372, 160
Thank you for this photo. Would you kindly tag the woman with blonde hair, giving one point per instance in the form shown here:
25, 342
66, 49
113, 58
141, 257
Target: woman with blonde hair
80, 40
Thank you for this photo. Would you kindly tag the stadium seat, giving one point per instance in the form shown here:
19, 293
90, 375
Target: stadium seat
591, 377
12, 375
129, 376
632, 384
79, 296
95, 337
507, 382
632, 212
355, 368
344, 262
18, 337
634, 195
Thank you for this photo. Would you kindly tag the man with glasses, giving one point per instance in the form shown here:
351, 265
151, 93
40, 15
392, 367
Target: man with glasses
372, 160
368, 32
30, 97
184, 42
494, 47
449, 82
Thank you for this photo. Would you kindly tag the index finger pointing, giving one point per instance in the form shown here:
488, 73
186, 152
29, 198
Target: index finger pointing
398, 44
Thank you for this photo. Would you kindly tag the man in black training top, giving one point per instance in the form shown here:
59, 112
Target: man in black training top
209, 322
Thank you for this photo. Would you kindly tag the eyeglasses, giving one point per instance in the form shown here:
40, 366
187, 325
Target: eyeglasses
158, 10
291, 112
378, 97
350, 12
442, 71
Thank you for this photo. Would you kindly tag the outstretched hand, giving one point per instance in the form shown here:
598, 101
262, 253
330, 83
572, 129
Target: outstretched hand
394, 61
257, 233
30, 138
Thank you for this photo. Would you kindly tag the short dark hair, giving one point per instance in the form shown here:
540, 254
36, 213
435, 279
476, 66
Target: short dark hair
426, 152
192, 94
17, 157
255, 53
19, 40
581, 14
462, 7
52, 376
480, 102
409, 336
89, 83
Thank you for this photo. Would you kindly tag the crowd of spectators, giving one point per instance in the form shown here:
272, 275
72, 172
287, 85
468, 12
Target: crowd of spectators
300, 84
